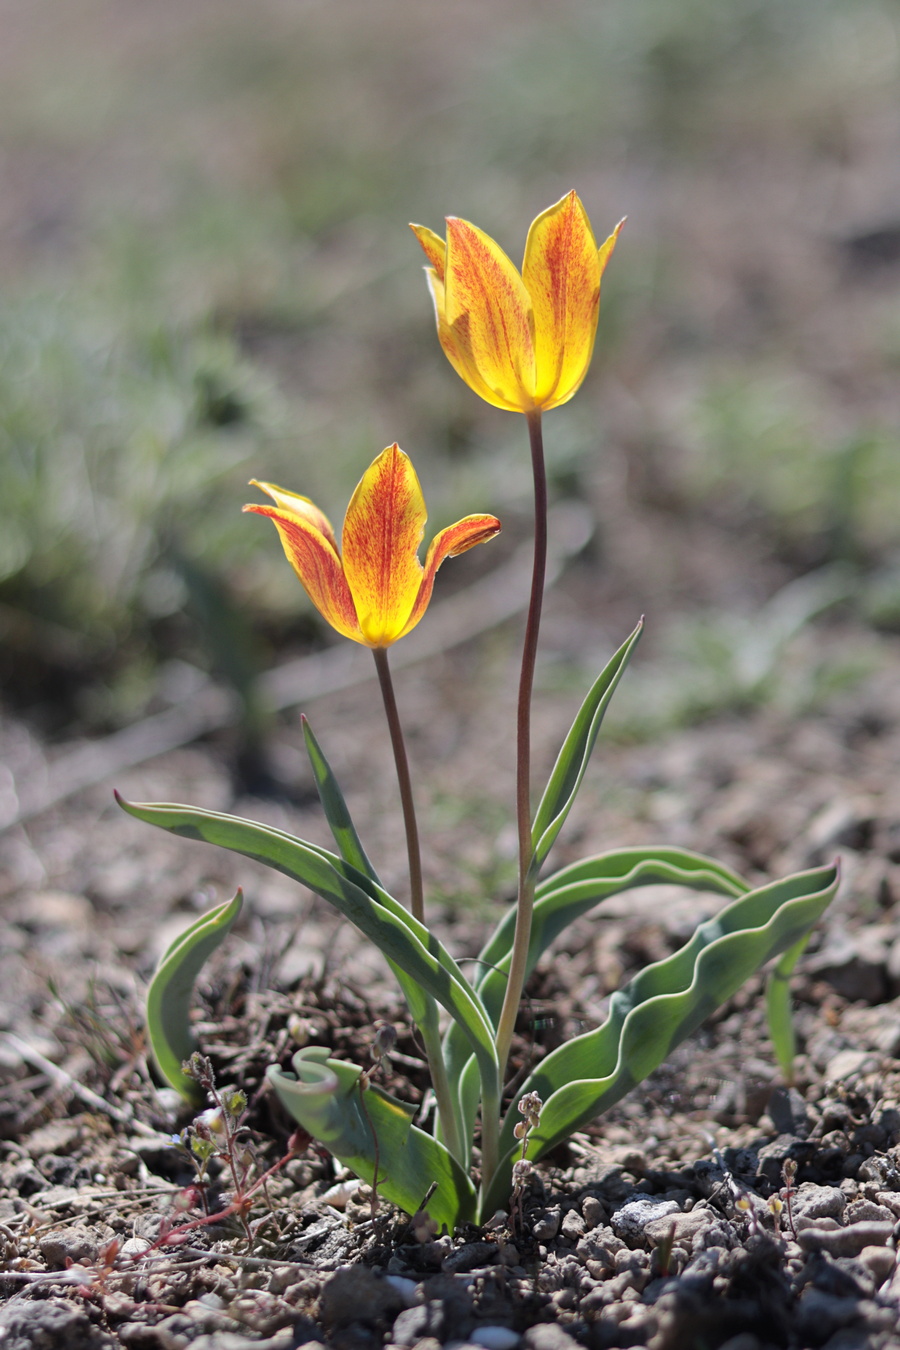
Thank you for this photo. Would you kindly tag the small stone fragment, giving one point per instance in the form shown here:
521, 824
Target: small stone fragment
630, 1220
880, 1261
818, 1202
547, 1226
68, 1244
572, 1225
593, 1211
427, 1319
494, 1338
548, 1336
848, 1241
683, 1228
357, 1294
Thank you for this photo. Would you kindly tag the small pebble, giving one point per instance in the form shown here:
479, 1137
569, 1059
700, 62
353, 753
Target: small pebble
495, 1338
629, 1222
404, 1287
593, 1211
848, 1241
547, 1227
879, 1261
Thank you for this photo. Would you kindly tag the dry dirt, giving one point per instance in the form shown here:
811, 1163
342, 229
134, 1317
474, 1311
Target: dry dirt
91, 1182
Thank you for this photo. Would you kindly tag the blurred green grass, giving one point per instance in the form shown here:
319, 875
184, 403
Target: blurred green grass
207, 277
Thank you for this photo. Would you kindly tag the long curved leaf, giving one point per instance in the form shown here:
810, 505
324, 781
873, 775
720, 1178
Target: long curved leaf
565, 780
372, 1133
400, 938
661, 1006
172, 987
561, 899
336, 812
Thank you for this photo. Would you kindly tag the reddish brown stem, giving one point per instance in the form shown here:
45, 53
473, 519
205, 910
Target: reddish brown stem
525, 903
416, 890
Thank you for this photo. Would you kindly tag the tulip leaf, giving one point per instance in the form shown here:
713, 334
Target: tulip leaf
569, 770
778, 1008
335, 808
402, 940
422, 1006
660, 1007
171, 989
372, 1133
564, 897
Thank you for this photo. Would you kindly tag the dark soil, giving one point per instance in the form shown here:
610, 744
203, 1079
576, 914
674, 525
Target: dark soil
713, 1207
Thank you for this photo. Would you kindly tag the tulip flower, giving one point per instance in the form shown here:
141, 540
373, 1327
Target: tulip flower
522, 342
376, 590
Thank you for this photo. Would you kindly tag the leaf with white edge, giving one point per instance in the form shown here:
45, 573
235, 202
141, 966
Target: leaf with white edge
372, 1133
565, 780
335, 808
404, 942
171, 989
561, 899
660, 1007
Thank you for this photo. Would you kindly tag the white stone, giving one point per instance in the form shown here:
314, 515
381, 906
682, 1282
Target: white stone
495, 1338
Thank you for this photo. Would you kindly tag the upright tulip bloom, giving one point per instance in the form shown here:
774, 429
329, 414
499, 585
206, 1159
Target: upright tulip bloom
522, 342
377, 590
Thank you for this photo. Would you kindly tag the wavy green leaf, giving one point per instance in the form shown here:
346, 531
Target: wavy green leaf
171, 990
372, 1133
565, 780
561, 899
401, 938
661, 1006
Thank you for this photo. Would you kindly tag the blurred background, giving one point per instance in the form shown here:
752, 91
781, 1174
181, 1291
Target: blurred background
207, 276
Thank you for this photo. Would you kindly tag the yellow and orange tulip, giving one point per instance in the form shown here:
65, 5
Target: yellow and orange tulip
376, 590
522, 341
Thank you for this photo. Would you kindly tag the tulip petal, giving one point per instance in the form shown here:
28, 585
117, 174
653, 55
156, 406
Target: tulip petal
315, 560
604, 252
562, 273
456, 349
299, 506
449, 543
433, 246
488, 308
383, 529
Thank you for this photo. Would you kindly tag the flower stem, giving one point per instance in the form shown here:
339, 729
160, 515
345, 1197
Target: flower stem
416, 893
525, 901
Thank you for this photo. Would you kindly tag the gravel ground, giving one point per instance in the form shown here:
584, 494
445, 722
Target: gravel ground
714, 1207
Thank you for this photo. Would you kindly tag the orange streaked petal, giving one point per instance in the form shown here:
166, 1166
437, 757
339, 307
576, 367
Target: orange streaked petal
315, 560
434, 247
449, 543
571, 379
298, 506
383, 529
488, 308
456, 350
562, 273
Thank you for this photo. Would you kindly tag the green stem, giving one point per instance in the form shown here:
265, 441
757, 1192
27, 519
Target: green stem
416, 892
446, 1103
525, 900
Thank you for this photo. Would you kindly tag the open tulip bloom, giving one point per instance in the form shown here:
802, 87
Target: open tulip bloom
523, 343
376, 590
